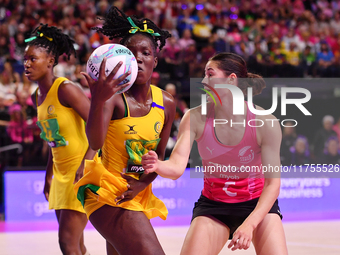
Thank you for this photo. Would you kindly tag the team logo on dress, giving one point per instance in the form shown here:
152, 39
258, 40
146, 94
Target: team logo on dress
246, 155
51, 109
131, 131
158, 127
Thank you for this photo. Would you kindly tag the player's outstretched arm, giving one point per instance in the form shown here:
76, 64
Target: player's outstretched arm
175, 166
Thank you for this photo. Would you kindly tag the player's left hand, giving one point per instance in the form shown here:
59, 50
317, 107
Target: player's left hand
242, 237
134, 186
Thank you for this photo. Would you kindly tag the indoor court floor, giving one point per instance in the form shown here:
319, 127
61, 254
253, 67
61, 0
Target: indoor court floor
303, 238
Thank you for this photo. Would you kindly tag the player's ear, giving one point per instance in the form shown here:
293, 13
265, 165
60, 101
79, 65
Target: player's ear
155, 62
232, 78
51, 62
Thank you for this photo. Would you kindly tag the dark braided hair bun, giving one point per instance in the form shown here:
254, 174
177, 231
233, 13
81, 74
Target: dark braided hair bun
53, 40
117, 25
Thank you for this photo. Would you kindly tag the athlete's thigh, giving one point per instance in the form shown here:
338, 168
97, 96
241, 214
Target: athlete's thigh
71, 224
206, 235
129, 232
269, 237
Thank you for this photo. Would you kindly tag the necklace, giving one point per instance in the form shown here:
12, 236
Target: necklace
140, 105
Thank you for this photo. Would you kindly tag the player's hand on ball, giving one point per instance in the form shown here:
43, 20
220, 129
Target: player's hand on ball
106, 86
150, 162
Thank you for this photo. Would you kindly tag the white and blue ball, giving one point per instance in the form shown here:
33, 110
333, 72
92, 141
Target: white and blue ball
114, 54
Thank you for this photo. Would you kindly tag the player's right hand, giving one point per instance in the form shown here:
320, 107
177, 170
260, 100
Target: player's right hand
47, 187
106, 86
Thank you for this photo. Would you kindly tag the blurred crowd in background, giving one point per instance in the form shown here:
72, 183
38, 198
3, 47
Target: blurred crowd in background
277, 38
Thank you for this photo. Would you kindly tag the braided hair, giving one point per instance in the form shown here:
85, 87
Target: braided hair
117, 25
53, 40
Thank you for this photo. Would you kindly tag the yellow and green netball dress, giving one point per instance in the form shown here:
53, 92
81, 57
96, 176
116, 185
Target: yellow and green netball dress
64, 130
126, 141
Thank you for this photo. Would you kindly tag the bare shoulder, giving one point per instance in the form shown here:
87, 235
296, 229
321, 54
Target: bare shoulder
269, 127
67, 85
195, 121
169, 105
167, 98
69, 89
195, 114
267, 117
70, 93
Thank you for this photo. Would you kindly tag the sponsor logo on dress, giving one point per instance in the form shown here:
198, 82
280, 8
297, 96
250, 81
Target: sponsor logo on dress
246, 155
211, 150
52, 144
138, 169
131, 131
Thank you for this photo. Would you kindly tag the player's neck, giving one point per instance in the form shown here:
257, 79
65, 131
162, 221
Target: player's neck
46, 83
226, 110
140, 93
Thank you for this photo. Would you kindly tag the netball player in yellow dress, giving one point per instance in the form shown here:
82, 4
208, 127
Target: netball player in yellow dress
116, 196
62, 109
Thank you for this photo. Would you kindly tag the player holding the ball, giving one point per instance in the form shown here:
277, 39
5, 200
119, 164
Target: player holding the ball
62, 109
116, 195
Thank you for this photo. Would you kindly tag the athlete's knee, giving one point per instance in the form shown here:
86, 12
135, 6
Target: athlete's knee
81, 243
69, 246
